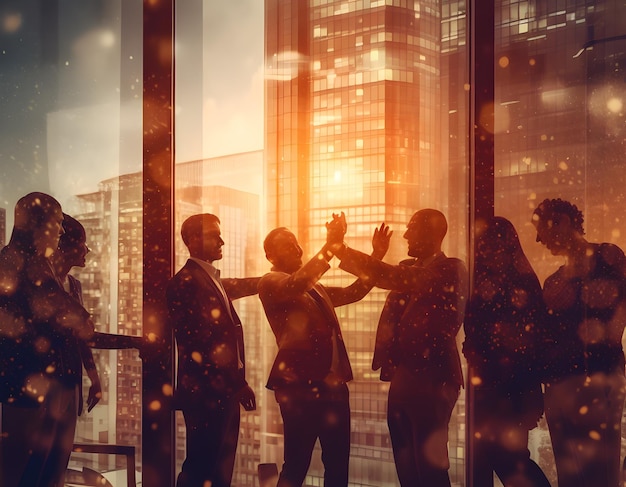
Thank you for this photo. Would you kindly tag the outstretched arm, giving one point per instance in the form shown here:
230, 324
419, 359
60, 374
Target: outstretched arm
282, 286
240, 287
359, 288
110, 341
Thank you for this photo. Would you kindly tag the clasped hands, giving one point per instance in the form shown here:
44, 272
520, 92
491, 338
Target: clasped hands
336, 231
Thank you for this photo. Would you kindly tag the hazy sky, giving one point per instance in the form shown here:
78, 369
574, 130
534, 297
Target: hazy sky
234, 87
61, 116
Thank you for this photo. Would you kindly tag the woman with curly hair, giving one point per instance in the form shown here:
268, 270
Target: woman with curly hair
585, 385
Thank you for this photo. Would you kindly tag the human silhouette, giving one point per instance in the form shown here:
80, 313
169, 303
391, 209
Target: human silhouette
211, 362
416, 345
38, 319
503, 333
311, 370
585, 385
71, 252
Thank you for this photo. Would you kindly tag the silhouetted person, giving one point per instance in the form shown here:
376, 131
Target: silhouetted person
71, 252
584, 394
311, 369
38, 319
420, 355
503, 328
211, 363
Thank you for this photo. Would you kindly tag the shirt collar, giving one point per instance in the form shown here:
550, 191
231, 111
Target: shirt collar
209, 268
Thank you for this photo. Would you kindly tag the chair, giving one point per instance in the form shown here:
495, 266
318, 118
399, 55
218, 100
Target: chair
108, 449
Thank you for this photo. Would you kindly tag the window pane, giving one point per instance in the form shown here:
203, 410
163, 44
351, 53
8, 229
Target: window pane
559, 130
364, 112
70, 126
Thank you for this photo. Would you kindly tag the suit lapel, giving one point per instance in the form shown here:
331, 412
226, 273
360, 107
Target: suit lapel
319, 294
227, 305
217, 291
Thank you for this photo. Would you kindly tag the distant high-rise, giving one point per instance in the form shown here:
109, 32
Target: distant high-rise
112, 292
354, 123
560, 127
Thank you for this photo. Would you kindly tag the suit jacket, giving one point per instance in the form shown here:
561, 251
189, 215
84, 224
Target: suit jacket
209, 336
302, 317
428, 305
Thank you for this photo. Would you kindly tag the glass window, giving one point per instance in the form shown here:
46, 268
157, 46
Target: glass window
559, 131
70, 126
285, 113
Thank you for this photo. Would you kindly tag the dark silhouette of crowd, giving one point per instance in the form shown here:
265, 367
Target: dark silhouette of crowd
530, 350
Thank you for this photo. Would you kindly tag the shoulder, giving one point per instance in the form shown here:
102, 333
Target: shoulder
555, 277
451, 263
271, 278
186, 277
271, 283
611, 254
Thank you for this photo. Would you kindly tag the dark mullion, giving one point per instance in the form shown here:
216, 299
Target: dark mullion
481, 160
158, 254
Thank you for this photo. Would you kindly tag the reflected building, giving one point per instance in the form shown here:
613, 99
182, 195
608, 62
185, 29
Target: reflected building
354, 123
112, 293
560, 130
367, 111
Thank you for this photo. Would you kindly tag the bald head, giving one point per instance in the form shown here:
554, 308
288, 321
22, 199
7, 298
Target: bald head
425, 232
283, 250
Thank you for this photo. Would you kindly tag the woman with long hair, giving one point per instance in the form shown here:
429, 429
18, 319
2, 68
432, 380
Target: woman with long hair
502, 328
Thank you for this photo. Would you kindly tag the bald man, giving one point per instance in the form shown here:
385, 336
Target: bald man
416, 345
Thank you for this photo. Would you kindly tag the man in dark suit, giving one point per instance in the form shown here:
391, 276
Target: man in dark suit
211, 375
311, 368
416, 345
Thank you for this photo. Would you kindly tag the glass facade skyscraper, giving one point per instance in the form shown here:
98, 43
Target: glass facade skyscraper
354, 123
367, 111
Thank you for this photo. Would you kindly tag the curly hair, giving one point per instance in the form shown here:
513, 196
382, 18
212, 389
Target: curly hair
552, 209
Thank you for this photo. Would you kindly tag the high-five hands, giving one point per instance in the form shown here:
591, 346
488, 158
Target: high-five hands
380, 241
336, 230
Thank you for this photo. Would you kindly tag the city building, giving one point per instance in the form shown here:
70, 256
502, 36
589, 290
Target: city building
367, 111
354, 104
112, 291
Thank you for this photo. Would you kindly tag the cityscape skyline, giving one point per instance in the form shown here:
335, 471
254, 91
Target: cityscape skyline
367, 112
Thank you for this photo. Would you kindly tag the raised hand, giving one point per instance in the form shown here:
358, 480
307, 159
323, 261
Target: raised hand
380, 241
336, 230
95, 394
95, 391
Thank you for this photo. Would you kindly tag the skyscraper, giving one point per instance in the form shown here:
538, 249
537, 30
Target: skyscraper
112, 290
354, 123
